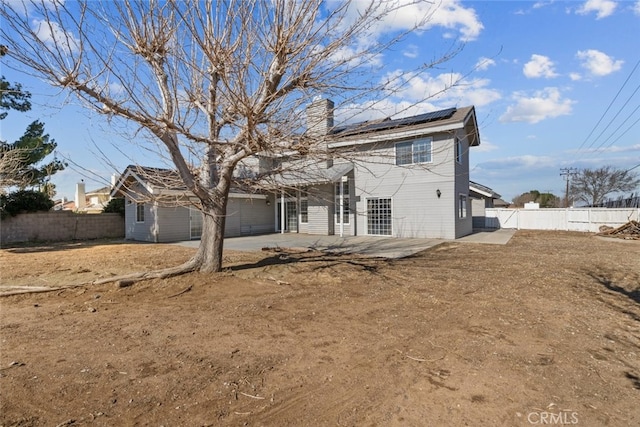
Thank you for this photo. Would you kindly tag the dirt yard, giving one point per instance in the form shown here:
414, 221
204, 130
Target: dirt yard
543, 330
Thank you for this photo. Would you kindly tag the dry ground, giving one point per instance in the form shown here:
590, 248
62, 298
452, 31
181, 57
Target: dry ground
543, 330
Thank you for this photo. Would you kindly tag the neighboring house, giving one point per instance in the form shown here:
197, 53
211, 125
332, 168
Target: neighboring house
403, 178
85, 201
482, 198
91, 201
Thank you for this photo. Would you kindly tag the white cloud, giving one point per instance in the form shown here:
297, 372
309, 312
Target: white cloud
539, 66
446, 89
407, 14
25, 8
603, 8
418, 94
451, 14
598, 63
411, 51
484, 63
485, 147
518, 163
611, 149
544, 104
575, 76
541, 4
636, 8
54, 36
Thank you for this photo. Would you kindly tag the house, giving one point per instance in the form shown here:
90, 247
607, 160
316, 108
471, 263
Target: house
158, 208
92, 201
483, 197
405, 177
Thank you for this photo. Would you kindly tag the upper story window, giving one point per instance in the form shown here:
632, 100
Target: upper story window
139, 212
459, 153
418, 151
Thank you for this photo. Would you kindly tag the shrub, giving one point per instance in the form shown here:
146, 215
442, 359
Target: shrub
115, 206
24, 201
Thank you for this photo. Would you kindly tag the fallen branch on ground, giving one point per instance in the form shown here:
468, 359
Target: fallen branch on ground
127, 279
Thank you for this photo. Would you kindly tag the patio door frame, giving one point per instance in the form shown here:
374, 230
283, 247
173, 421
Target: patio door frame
290, 212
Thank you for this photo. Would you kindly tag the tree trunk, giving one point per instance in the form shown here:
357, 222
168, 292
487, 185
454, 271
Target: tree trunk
208, 259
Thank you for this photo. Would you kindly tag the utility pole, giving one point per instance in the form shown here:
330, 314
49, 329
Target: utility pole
567, 173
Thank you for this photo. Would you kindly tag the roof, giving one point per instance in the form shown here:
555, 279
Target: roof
101, 190
387, 123
483, 190
312, 175
446, 120
162, 182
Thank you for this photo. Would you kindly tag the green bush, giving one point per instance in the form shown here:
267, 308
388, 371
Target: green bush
24, 201
114, 206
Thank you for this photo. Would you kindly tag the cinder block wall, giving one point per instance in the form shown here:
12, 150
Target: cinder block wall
60, 226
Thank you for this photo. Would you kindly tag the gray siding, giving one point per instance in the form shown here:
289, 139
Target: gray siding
141, 231
463, 226
255, 215
320, 210
417, 210
173, 223
232, 223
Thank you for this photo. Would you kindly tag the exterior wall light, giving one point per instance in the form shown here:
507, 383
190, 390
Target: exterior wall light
438, 193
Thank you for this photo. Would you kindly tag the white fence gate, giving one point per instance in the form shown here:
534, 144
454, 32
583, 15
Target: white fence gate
571, 219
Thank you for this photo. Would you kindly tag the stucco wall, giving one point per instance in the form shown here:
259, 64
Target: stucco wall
60, 226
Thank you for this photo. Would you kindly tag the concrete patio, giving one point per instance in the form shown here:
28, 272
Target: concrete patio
381, 247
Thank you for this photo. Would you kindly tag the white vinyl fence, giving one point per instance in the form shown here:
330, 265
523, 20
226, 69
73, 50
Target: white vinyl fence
571, 219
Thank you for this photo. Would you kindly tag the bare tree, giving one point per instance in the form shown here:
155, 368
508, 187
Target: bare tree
593, 185
216, 81
11, 164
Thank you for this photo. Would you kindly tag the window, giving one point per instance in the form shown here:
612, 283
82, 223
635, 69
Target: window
345, 203
379, 217
458, 145
139, 212
418, 151
462, 206
304, 206
304, 211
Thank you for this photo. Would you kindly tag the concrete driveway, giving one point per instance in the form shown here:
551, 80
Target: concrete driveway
381, 247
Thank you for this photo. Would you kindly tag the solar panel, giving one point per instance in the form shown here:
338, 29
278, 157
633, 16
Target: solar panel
390, 124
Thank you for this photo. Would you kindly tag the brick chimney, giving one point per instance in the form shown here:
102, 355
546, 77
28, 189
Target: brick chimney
320, 117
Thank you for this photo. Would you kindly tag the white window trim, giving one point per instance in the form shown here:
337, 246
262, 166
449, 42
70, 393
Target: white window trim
336, 208
466, 206
302, 221
414, 141
137, 213
367, 214
459, 151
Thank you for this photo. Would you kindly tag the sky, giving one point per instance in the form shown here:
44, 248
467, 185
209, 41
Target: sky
555, 85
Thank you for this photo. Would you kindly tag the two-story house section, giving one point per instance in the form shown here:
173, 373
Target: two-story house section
407, 177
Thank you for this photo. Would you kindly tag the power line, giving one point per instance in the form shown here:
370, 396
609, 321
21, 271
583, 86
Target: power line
609, 107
